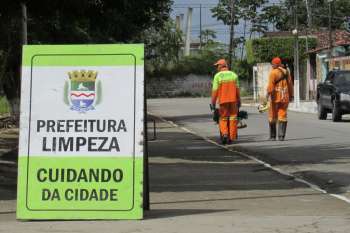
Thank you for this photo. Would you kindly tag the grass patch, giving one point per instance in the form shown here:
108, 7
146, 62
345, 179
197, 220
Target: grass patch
4, 105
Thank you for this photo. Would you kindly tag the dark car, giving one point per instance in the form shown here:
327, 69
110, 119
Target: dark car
333, 96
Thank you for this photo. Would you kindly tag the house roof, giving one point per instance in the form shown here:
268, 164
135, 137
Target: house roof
339, 37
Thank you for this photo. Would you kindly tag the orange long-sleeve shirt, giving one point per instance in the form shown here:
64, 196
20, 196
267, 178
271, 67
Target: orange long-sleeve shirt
225, 87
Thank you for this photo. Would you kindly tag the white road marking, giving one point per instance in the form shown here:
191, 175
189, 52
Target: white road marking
267, 165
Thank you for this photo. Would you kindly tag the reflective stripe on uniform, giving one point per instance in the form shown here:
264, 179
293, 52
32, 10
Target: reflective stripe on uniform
229, 118
224, 76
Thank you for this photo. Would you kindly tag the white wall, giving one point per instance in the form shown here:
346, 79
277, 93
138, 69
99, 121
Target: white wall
195, 85
190, 85
263, 71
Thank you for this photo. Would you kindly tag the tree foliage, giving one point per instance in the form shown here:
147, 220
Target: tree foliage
272, 15
201, 63
162, 46
249, 10
208, 36
72, 22
246, 10
243, 69
282, 16
264, 49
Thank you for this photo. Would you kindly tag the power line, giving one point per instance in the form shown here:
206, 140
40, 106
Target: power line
210, 25
219, 24
186, 5
181, 6
194, 4
222, 32
191, 7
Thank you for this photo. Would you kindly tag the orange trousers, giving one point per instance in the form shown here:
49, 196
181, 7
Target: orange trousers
278, 112
228, 120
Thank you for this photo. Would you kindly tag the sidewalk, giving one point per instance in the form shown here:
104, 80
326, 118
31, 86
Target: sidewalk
305, 106
199, 187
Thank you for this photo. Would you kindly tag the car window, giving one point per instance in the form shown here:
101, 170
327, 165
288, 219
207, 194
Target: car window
342, 79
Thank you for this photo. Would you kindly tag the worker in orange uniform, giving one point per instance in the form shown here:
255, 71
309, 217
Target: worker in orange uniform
280, 92
225, 91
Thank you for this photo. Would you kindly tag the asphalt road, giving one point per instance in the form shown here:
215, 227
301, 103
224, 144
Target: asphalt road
197, 186
317, 151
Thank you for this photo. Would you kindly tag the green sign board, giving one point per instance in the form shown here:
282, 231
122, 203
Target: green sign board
81, 132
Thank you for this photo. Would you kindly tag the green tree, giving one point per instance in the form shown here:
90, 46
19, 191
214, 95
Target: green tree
246, 10
282, 16
200, 63
249, 10
340, 10
272, 15
223, 11
163, 46
208, 36
67, 21
264, 49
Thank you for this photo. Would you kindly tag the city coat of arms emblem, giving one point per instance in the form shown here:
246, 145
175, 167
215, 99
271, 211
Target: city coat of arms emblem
83, 91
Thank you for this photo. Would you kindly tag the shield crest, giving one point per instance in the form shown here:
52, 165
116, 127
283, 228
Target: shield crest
82, 90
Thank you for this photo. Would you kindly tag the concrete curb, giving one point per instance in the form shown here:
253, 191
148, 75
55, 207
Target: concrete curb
306, 107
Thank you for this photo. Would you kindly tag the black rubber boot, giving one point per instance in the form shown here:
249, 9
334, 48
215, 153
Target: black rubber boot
224, 139
282, 128
272, 131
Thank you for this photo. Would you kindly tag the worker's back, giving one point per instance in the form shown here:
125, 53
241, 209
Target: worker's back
280, 85
225, 83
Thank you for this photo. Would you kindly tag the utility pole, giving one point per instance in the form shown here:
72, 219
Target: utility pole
309, 15
309, 23
178, 23
244, 32
200, 26
232, 33
296, 60
330, 45
308, 66
188, 32
24, 41
24, 36
182, 17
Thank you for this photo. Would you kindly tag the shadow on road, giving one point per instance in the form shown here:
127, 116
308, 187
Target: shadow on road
242, 198
166, 213
197, 165
182, 145
309, 156
245, 139
284, 153
288, 153
326, 180
190, 118
7, 212
8, 175
184, 177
